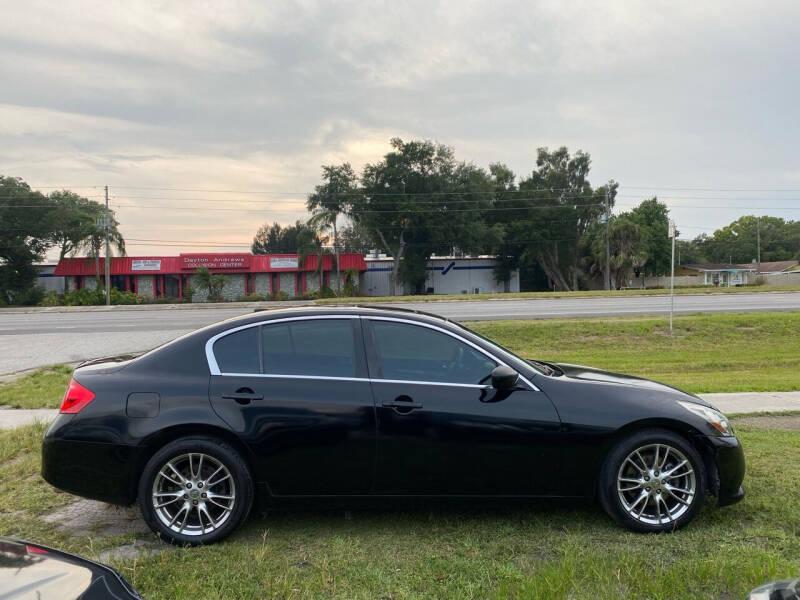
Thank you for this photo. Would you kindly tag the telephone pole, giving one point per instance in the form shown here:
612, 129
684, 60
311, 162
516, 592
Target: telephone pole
758, 243
608, 245
672, 275
106, 223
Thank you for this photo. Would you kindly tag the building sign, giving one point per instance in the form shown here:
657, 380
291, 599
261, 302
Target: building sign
282, 262
140, 264
215, 261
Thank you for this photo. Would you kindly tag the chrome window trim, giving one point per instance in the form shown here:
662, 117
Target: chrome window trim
453, 335
212, 360
214, 367
277, 376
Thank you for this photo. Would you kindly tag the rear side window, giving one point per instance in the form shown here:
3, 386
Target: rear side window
238, 352
316, 347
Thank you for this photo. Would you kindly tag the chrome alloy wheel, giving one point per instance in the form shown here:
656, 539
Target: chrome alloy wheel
193, 494
656, 484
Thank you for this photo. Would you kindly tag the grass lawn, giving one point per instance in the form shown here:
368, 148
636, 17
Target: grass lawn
517, 552
708, 353
580, 294
43, 388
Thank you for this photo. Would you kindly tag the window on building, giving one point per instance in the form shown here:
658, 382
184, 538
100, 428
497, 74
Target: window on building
316, 347
414, 353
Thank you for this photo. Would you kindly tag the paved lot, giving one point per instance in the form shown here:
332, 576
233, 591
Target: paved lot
753, 402
39, 338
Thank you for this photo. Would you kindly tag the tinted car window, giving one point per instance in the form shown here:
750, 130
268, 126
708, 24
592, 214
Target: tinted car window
413, 353
317, 347
238, 352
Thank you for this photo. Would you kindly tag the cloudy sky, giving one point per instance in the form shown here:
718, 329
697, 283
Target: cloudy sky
207, 119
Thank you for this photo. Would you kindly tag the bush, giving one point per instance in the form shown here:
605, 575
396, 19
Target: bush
168, 300
86, 297
280, 295
52, 299
255, 297
188, 293
123, 297
327, 292
30, 297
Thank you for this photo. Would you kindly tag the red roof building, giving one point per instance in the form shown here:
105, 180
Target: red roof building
246, 274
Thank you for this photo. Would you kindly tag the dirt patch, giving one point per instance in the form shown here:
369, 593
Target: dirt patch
770, 422
97, 519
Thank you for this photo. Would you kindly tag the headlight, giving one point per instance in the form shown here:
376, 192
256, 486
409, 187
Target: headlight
711, 416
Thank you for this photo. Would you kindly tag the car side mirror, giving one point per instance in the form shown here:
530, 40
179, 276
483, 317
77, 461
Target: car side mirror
504, 378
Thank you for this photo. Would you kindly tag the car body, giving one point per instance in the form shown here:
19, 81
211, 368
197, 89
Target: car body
359, 402
29, 570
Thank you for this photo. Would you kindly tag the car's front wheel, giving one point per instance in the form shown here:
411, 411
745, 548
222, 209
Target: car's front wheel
654, 480
195, 490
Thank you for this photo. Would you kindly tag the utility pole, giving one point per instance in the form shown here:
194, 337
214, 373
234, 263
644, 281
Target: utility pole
106, 223
608, 244
336, 252
758, 244
672, 276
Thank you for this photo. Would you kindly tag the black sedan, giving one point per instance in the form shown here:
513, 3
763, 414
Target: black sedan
334, 404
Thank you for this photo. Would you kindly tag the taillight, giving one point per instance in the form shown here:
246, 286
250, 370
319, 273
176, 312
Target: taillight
75, 398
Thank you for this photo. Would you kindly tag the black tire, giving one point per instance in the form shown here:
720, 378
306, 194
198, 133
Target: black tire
197, 529
656, 516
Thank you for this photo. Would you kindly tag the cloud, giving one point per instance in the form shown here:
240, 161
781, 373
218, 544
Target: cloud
253, 95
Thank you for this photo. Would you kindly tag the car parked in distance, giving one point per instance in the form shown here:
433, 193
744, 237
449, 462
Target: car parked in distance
337, 404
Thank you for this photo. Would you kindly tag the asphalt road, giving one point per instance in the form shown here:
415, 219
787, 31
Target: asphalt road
35, 339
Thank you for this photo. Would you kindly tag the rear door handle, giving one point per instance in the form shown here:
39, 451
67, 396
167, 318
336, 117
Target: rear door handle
243, 396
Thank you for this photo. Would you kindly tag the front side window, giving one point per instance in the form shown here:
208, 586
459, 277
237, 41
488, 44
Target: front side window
316, 347
414, 353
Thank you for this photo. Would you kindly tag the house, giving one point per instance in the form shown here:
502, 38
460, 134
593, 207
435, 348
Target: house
727, 274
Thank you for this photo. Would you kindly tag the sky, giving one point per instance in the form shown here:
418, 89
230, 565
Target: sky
208, 119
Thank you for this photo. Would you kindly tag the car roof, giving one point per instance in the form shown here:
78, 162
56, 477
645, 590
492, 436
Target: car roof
268, 313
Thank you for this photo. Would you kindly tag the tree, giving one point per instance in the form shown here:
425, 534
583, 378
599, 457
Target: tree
738, 242
273, 238
418, 201
330, 199
26, 233
652, 217
501, 223
312, 243
76, 227
557, 206
354, 238
211, 283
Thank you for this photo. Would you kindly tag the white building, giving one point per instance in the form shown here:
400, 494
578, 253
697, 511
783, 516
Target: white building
446, 275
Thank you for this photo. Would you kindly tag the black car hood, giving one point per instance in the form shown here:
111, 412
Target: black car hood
597, 375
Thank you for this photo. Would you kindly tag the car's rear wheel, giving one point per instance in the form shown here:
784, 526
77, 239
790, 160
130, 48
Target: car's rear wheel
195, 491
654, 480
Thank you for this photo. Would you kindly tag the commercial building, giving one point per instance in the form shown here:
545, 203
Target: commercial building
245, 274
445, 275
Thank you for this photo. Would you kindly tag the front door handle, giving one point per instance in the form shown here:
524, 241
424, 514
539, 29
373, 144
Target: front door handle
243, 396
403, 404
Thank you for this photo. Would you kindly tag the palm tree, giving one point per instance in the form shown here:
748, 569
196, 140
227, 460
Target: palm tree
93, 243
312, 242
332, 198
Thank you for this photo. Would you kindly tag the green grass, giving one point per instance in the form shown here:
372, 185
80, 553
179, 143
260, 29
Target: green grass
42, 388
707, 353
547, 295
516, 552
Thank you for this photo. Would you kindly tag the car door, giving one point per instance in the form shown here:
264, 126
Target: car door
442, 430
296, 392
